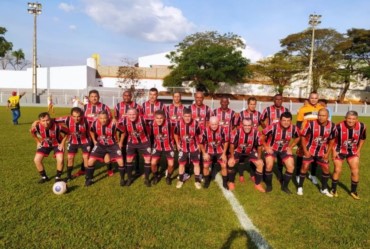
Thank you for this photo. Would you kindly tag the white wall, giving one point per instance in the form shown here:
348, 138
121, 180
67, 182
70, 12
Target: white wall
143, 84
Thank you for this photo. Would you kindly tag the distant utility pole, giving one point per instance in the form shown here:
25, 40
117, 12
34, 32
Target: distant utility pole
314, 20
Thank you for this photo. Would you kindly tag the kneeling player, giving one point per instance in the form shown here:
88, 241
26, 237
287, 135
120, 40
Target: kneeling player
48, 136
245, 142
214, 144
103, 134
163, 144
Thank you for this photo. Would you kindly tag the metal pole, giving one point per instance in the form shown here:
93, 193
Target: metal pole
314, 21
34, 61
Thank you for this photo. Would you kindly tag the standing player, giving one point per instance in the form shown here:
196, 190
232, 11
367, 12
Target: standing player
151, 106
48, 137
186, 135
175, 110
214, 144
138, 139
227, 117
317, 137
103, 134
199, 111
245, 142
50, 104
277, 143
13, 105
350, 136
307, 113
163, 144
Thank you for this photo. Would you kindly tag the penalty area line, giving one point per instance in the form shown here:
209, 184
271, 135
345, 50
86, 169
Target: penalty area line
243, 218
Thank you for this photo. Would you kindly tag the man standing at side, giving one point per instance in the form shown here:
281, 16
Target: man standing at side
13, 105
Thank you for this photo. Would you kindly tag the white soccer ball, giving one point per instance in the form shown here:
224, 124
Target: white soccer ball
59, 188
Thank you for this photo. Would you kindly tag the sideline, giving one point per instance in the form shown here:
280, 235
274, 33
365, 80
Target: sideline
243, 218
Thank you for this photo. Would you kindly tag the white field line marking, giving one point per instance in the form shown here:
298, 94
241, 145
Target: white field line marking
243, 218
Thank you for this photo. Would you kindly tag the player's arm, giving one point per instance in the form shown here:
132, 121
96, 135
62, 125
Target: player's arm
259, 151
33, 132
176, 137
293, 144
22, 94
359, 147
231, 161
304, 143
330, 148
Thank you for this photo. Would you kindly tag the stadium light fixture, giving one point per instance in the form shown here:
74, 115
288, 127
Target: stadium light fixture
314, 20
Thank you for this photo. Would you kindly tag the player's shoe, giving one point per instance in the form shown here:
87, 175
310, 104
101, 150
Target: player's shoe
314, 180
300, 191
253, 179
334, 194
147, 183
241, 179
231, 186
110, 172
88, 182
179, 184
155, 180
355, 196
198, 185
69, 178
259, 188
268, 189
326, 192
122, 182
225, 185
58, 179
168, 180
129, 182
80, 173
207, 182
286, 190
186, 177
43, 179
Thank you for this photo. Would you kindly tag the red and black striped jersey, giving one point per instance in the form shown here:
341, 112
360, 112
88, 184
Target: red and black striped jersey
318, 136
106, 134
51, 136
137, 131
175, 113
214, 141
347, 139
254, 116
121, 109
278, 138
227, 118
91, 111
78, 132
188, 135
272, 114
201, 114
149, 110
245, 143
163, 139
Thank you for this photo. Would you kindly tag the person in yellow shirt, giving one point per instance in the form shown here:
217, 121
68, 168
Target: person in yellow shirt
13, 105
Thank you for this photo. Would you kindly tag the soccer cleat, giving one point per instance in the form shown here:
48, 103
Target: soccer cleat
168, 180
300, 191
186, 177
110, 172
147, 183
43, 179
286, 190
179, 184
253, 179
224, 184
241, 179
268, 188
122, 182
326, 192
129, 182
166, 173
58, 179
297, 179
355, 196
198, 185
314, 180
231, 186
334, 193
155, 180
79, 173
88, 182
259, 188
69, 178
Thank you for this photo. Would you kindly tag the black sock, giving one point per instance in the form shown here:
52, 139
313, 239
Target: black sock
59, 173
69, 170
268, 178
258, 177
354, 187
231, 174
252, 171
224, 181
137, 164
42, 173
147, 170
241, 169
122, 171
287, 177
197, 178
110, 166
334, 185
302, 177
280, 167
324, 181
313, 168
298, 166
90, 173
83, 166
129, 167
181, 177
207, 179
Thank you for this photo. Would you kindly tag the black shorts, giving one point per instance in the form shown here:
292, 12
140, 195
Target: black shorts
98, 152
213, 158
73, 148
45, 151
342, 157
318, 159
185, 156
144, 149
156, 154
282, 154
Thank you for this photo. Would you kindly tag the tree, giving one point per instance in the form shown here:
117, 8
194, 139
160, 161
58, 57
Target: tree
281, 68
5, 47
207, 59
325, 60
17, 60
129, 76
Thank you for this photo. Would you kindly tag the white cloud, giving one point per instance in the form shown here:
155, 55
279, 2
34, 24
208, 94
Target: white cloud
147, 19
250, 53
72, 27
66, 7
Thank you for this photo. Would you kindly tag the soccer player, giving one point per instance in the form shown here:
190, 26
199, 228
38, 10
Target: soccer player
79, 137
163, 144
271, 115
50, 104
151, 106
199, 111
103, 133
13, 105
186, 135
214, 143
246, 142
279, 141
350, 137
175, 109
49, 136
138, 139
306, 113
317, 137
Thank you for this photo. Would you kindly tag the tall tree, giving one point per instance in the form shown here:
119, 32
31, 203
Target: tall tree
206, 59
5, 46
17, 60
129, 76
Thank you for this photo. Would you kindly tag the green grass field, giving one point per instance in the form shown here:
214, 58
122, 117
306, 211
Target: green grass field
106, 215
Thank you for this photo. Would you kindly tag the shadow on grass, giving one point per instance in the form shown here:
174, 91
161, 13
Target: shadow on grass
340, 184
242, 234
72, 188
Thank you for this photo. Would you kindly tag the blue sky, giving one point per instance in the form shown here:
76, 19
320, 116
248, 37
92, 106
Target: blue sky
70, 31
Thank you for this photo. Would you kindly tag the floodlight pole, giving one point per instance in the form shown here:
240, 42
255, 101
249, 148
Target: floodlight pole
314, 20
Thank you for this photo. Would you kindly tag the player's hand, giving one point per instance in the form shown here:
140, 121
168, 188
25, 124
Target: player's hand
358, 154
61, 147
269, 150
38, 145
307, 154
231, 161
325, 156
335, 154
206, 157
289, 151
223, 158
120, 145
33, 125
